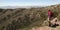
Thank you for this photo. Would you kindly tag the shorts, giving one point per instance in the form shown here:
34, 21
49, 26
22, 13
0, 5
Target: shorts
49, 17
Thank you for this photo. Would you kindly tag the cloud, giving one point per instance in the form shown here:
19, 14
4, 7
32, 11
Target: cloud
29, 3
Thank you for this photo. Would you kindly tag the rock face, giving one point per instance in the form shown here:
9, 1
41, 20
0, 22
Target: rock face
45, 27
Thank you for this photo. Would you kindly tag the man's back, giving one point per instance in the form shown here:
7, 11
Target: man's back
49, 13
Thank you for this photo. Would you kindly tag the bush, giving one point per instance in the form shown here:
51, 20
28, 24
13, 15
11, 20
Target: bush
55, 14
1, 10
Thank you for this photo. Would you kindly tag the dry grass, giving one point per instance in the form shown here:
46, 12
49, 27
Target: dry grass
15, 19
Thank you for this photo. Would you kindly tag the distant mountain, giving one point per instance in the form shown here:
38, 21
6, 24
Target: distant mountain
13, 7
9, 7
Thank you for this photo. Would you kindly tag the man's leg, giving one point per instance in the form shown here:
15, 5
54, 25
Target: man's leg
49, 24
49, 18
49, 21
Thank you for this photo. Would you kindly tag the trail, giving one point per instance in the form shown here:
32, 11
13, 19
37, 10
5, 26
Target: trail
47, 27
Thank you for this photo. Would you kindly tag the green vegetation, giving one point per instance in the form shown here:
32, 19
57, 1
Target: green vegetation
25, 19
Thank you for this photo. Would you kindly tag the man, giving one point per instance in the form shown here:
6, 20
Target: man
50, 14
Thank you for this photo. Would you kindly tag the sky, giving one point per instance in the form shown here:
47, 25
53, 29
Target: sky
28, 2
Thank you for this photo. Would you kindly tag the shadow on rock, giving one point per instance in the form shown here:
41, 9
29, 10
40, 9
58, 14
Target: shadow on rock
54, 26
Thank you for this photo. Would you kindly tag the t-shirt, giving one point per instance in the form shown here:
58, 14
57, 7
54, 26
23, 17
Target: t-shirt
49, 13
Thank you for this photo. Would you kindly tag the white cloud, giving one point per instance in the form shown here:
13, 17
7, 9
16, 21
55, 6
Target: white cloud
27, 4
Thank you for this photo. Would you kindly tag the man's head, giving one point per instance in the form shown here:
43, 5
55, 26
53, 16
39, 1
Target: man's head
48, 10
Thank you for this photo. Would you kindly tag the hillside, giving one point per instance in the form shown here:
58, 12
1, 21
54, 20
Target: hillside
25, 19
